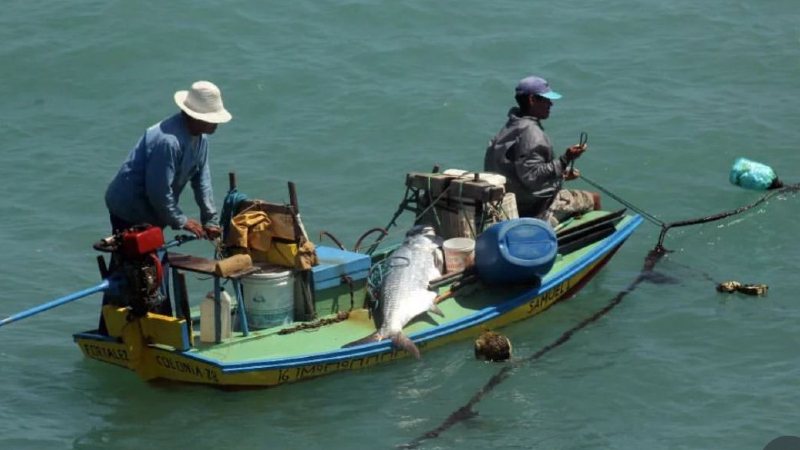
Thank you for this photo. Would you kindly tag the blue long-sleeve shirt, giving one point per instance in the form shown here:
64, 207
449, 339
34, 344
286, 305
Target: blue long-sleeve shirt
147, 187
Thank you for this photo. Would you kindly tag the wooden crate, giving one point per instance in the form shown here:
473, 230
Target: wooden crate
458, 200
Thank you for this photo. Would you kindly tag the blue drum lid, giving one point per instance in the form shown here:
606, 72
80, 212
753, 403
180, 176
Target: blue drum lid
529, 243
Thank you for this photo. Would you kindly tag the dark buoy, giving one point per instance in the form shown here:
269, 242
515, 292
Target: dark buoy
754, 289
491, 346
749, 289
728, 286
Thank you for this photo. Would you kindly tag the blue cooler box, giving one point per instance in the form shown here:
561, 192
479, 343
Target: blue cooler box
331, 290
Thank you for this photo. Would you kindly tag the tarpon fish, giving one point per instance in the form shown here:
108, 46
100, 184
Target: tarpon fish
404, 293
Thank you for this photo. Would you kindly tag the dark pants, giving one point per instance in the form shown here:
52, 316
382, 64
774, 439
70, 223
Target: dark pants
118, 224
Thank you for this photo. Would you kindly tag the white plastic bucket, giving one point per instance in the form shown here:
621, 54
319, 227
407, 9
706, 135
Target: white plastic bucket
269, 298
457, 251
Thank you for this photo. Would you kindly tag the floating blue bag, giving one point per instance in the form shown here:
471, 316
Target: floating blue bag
752, 175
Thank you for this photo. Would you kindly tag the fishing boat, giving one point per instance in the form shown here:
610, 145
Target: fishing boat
332, 299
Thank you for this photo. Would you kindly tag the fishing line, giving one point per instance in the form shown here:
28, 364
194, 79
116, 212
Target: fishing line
649, 217
402, 208
653, 257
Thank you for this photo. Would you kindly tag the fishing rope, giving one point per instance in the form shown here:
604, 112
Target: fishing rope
683, 223
467, 411
701, 220
307, 326
400, 210
653, 257
435, 213
651, 218
463, 210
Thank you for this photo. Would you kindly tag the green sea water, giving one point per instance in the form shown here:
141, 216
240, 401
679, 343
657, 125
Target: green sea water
344, 98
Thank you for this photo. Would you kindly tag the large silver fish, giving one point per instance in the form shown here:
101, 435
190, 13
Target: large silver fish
404, 293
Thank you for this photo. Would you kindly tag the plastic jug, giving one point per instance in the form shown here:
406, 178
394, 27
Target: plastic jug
208, 324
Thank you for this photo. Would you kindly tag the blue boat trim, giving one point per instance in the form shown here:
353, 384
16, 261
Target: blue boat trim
383, 347
94, 337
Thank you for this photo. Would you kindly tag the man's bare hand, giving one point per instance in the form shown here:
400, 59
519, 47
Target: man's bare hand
571, 174
575, 151
194, 227
211, 231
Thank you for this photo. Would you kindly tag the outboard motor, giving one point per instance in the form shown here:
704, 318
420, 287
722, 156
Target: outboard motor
135, 268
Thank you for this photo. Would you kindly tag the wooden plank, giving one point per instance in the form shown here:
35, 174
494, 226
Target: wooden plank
261, 205
588, 232
156, 328
166, 330
191, 263
435, 184
182, 301
116, 319
585, 238
283, 224
478, 190
202, 265
613, 218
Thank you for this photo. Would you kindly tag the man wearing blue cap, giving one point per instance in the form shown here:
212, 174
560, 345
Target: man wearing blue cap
523, 153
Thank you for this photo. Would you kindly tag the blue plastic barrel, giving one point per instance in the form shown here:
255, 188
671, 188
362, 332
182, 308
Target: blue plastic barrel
516, 250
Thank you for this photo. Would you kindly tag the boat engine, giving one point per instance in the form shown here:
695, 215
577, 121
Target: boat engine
136, 269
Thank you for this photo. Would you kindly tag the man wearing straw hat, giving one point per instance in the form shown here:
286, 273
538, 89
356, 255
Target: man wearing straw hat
169, 155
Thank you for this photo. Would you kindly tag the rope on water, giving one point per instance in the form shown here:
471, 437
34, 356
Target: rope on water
725, 214
653, 257
683, 223
467, 411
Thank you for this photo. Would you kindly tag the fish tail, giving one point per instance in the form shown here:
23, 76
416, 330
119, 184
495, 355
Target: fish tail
401, 341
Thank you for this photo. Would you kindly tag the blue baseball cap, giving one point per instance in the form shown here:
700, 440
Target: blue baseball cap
536, 86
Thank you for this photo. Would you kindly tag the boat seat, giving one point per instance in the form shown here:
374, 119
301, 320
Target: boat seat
205, 266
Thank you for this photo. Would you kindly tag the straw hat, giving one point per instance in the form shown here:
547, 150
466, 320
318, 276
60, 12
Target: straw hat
203, 102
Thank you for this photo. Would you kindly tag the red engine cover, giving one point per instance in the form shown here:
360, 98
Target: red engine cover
141, 241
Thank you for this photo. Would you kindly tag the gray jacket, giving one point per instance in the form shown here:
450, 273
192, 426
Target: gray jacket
523, 153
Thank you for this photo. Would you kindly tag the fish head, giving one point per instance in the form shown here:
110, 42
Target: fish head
423, 235
420, 230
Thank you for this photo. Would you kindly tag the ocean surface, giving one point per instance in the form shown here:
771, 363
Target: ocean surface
344, 97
